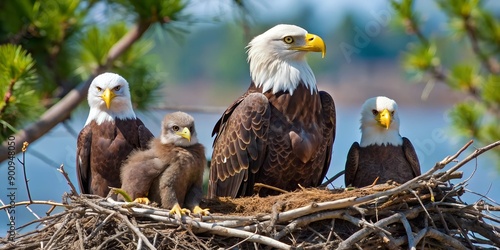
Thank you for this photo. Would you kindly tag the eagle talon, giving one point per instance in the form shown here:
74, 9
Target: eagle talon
177, 210
201, 211
142, 200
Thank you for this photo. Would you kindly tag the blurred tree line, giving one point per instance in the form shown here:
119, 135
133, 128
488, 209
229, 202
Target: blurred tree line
464, 57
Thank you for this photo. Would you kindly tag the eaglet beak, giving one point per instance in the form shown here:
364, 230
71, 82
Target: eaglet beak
185, 133
313, 43
107, 96
384, 118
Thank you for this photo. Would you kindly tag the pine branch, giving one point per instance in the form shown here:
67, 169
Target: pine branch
440, 74
412, 26
490, 63
7, 97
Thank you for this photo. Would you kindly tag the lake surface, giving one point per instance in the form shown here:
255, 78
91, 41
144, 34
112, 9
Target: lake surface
428, 130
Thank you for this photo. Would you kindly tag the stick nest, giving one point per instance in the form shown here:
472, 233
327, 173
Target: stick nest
424, 213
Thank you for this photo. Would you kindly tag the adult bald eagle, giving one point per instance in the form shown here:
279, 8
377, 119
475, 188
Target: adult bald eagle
281, 131
171, 171
382, 153
111, 132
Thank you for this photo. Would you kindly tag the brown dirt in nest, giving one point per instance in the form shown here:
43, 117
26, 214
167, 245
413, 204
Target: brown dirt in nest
255, 205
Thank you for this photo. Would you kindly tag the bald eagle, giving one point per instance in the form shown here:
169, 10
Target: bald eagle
170, 172
111, 132
382, 152
281, 131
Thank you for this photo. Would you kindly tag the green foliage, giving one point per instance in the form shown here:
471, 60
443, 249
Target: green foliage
476, 73
155, 10
466, 118
46, 30
145, 82
421, 58
491, 91
464, 77
17, 78
97, 41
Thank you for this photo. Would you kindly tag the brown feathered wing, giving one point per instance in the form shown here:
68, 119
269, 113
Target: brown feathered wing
351, 165
411, 156
329, 129
241, 140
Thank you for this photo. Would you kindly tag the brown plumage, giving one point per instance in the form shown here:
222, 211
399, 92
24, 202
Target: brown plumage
388, 162
110, 134
171, 171
281, 131
383, 153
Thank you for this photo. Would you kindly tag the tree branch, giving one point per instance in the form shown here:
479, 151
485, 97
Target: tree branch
488, 62
62, 110
8, 96
63, 172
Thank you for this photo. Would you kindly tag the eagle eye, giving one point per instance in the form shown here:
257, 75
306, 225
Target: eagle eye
392, 113
117, 88
175, 128
374, 112
288, 39
99, 89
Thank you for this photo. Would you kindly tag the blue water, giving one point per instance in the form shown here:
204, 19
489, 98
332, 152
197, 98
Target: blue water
427, 129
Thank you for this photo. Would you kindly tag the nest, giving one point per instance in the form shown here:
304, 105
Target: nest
425, 212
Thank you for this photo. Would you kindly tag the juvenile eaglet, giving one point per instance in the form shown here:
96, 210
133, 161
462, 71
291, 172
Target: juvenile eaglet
110, 134
171, 171
382, 153
280, 132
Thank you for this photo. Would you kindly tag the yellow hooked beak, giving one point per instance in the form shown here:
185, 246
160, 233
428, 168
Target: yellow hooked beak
384, 118
313, 43
185, 133
107, 96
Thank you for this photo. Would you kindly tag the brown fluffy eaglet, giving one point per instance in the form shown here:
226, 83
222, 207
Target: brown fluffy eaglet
171, 171
280, 132
382, 152
110, 134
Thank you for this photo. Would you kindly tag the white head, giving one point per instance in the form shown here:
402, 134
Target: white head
277, 58
178, 128
380, 122
109, 99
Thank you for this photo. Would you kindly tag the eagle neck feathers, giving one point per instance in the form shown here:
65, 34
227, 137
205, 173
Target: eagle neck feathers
100, 116
380, 137
276, 74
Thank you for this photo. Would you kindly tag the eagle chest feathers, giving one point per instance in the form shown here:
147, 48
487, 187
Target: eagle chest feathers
120, 135
296, 145
299, 114
382, 161
113, 145
183, 169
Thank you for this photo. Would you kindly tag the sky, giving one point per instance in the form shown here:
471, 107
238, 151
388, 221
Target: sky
279, 10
